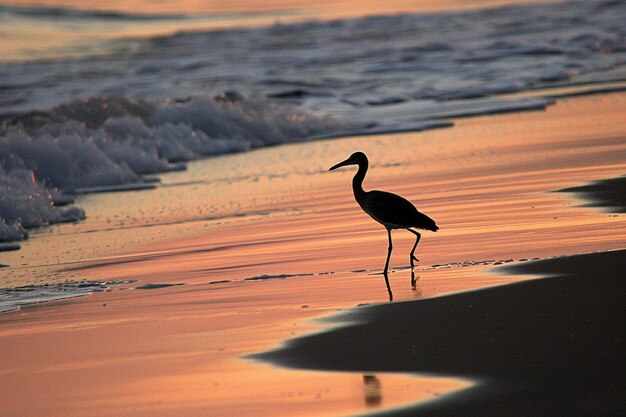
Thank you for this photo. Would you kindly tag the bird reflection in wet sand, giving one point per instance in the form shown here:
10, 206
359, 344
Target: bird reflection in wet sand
417, 289
390, 210
371, 391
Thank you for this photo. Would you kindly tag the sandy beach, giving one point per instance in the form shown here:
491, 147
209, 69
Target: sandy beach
303, 250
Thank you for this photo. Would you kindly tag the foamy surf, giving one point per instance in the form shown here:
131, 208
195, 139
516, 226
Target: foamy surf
12, 299
109, 144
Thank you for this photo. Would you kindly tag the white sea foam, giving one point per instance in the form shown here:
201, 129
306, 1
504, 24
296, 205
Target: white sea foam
11, 299
25, 203
108, 143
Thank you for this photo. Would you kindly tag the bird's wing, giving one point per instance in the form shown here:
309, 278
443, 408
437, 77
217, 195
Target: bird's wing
388, 208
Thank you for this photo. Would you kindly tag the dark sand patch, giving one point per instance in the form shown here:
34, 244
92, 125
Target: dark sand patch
275, 276
609, 194
544, 347
156, 286
6, 247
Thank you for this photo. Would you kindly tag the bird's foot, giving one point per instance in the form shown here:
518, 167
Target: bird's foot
414, 280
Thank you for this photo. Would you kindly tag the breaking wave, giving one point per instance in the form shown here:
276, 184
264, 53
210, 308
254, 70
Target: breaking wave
114, 140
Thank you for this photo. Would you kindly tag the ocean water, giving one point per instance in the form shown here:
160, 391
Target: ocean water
44, 29
115, 110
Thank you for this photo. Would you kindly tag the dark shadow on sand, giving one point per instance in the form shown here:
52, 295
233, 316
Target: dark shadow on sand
609, 193
544, 347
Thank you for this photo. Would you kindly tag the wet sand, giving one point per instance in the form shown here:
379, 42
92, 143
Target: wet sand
289, 244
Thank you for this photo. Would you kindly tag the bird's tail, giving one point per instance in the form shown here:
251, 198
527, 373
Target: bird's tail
426, 222
429, 224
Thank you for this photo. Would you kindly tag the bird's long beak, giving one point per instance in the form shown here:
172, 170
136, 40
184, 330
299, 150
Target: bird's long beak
342, 164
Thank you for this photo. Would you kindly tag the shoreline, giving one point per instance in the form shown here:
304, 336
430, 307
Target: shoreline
597, 189
83, 226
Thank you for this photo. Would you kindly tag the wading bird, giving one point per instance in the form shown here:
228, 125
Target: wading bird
390, 210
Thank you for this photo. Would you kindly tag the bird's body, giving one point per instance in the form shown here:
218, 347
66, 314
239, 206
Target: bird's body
390, 210
395, 212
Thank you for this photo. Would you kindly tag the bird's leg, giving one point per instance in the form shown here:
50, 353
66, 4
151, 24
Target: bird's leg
387, 265
413, 258
419, 236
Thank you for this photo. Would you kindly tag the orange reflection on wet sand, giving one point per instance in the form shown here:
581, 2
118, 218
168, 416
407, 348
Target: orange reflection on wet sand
252, 281
176, 350
491, 198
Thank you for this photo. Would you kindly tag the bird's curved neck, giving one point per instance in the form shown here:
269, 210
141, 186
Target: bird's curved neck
357, 181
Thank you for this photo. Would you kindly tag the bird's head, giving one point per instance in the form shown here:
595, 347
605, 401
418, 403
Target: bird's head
357, 158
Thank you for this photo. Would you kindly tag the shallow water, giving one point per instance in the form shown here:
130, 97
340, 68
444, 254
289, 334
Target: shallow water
451, 174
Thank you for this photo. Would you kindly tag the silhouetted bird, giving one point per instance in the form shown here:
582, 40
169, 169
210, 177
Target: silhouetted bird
390, 210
